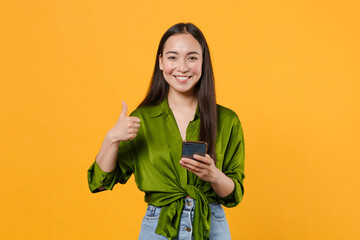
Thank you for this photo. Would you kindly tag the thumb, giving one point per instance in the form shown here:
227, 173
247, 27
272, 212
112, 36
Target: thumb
124, 109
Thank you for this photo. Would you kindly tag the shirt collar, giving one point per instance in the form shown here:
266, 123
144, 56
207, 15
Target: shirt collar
164, 109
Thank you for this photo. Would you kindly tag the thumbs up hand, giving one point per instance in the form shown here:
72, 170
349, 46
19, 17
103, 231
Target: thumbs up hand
126, 128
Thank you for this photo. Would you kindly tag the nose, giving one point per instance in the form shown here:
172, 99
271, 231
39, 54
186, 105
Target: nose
183, 66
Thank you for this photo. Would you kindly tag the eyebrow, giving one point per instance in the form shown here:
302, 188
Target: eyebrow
193, 52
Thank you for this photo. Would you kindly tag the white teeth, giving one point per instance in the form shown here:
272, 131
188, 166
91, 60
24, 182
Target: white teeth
182, 78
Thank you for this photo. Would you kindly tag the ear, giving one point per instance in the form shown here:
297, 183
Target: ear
160, 62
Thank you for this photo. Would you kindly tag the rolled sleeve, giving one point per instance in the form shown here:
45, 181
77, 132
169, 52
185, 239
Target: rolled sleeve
234, 198
124, 167
234, 162
97, 178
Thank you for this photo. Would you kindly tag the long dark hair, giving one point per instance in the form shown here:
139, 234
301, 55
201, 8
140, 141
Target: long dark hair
204, 89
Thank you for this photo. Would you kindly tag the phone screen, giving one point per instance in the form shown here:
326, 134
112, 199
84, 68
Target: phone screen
189, 148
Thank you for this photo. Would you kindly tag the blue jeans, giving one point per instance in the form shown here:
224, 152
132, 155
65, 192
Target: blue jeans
219, 226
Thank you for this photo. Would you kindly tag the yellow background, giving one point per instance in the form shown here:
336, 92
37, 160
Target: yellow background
289, 69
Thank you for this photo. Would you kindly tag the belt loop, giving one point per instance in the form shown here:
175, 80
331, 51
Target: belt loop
152, 210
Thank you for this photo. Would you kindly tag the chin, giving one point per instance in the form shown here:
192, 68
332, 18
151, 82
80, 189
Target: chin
186, 91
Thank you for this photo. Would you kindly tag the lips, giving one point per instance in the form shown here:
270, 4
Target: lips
182, 78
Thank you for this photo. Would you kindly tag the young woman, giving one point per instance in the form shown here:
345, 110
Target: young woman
185, 196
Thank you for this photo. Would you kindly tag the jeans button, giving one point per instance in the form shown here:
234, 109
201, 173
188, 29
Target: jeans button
188, 229
188, 203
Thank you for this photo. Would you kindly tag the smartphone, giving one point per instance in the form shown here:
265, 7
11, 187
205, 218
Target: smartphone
189, 148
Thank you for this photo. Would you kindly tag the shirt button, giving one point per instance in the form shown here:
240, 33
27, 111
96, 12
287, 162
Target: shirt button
191, 125
103, 175
188, 229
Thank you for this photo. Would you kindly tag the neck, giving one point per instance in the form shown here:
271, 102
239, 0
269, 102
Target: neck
178, 100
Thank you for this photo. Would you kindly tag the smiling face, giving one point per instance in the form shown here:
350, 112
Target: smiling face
181, 63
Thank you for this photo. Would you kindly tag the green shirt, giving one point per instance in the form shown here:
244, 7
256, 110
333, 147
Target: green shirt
153, 157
